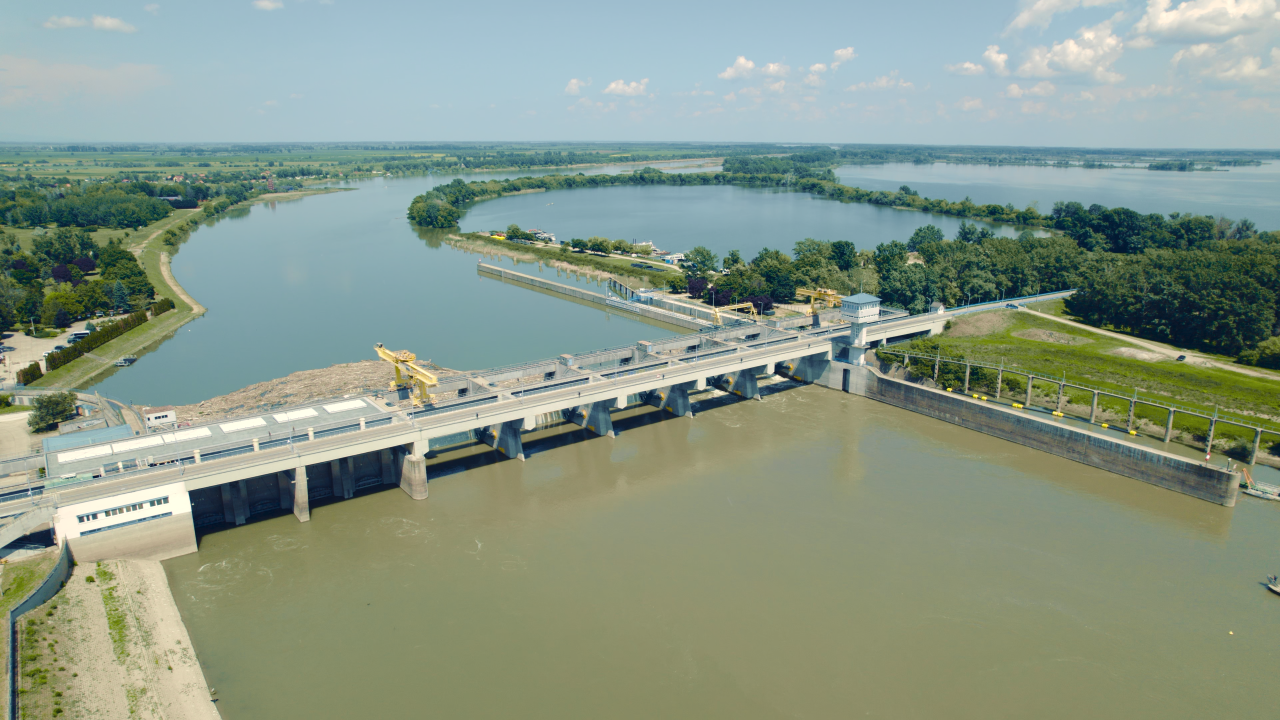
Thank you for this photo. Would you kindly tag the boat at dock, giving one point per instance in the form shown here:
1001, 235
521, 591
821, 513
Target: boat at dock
127, 360
1273, 584
1257, 489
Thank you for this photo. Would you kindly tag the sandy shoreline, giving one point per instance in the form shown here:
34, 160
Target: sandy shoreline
113, 648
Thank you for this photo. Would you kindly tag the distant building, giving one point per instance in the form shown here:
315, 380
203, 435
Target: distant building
672, 258
158, 416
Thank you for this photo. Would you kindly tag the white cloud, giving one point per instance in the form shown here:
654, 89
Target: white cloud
1206, 19
843, 55
25, 81
66, 21
1141, 42
153, 8
110, 24
740, 68
295, 96
1030, 107
730, 97
1092, 54
1043, 88
268, 4
817, 68
884, 82
966, 68
1041, 12
969, 104
813, 79
777, 87
575, 86
630, 89
996, 60
776, 69
1195, 52
1209, 62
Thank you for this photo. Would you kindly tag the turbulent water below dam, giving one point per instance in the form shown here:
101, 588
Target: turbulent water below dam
815, 554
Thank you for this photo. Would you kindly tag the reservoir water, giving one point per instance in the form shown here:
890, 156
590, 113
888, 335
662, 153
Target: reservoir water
1239, 192
811, 555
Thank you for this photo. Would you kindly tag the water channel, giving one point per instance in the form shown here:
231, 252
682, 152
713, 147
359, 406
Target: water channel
811, 555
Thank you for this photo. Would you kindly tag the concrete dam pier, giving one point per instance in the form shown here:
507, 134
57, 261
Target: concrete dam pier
146, 496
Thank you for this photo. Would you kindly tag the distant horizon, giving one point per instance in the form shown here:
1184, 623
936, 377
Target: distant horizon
795, 143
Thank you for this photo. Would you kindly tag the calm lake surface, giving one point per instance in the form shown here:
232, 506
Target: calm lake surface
812, 555
1244, 192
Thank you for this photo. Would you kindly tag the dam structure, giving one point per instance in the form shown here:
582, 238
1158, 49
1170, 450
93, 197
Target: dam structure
146, 496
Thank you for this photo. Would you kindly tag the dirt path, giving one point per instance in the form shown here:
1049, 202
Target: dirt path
1164, 350
124, 648
167, 272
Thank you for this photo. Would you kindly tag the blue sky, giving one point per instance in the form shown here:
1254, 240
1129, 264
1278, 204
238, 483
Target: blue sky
1157, 73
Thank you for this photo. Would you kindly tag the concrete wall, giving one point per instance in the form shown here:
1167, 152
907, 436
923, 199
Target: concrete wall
1156, 467
158, 539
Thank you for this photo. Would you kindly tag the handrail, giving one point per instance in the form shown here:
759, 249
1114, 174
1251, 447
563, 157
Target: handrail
1229, 418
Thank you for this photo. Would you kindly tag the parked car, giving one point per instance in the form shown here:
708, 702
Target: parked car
59, 347
1181, 358
1011, 306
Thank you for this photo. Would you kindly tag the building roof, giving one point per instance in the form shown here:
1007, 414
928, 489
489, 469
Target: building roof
154, 410
860, 299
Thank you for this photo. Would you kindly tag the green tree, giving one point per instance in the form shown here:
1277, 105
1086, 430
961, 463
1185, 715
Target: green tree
48, 410
923, 236
732, 260
701, 261
119, 297
844, 254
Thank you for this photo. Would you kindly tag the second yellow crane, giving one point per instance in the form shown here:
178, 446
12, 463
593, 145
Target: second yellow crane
409, 373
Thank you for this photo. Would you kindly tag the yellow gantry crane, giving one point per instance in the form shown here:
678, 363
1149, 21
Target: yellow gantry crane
413, 375
829, 298
740, 306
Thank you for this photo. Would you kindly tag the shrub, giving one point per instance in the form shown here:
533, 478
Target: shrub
51, 409
99, 337
30, 373
697, 286
162, 306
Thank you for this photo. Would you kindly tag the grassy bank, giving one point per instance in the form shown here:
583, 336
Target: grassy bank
17, 580
1026, 342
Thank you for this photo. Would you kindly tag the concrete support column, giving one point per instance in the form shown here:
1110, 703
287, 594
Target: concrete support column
594, 417
808, 369
240, 500
286, 491
1030, 380
1257, 443
388, 469
673, 399
413, 475
1133, 404
335, 477
228, 511
937, 361
1168, 426
505, 438
967, 368
349, 479
255, 444
999, 382
1093, 408
301, 500
1208, 446
743, 383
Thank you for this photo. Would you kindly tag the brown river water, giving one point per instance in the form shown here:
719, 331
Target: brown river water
811, 555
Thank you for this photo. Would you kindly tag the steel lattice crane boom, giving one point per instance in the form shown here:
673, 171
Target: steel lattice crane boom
739, 306
830, 298
409, 373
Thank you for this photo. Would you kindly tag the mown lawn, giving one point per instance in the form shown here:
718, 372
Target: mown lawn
1050, 349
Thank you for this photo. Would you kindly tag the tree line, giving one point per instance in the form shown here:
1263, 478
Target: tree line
1192, 280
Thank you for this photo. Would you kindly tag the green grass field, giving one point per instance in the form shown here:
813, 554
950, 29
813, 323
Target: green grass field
1026, 342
